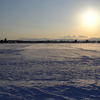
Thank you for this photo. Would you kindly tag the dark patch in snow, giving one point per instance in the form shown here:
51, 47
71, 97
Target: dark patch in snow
9, 51
60, 92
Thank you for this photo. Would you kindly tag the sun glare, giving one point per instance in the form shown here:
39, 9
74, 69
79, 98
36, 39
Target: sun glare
90, 18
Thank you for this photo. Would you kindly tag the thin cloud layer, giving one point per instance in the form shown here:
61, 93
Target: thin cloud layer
75, 37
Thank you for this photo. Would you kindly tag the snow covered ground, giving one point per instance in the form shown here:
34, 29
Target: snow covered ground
50, 71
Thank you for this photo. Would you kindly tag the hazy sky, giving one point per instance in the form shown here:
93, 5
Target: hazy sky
49, 19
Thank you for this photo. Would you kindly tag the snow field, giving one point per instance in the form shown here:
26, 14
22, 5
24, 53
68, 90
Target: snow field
50, 71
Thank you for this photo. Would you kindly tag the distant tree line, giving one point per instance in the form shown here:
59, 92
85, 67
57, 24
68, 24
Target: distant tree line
47, 41
4, 41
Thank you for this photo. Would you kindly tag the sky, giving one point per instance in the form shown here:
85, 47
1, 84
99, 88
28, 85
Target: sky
79, 19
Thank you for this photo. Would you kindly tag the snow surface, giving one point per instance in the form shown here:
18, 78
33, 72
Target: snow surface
50, 71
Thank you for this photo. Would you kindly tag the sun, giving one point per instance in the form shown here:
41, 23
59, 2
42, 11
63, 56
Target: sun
90, 18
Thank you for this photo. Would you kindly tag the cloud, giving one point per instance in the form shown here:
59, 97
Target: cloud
75, 37
70, 36
80, 36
